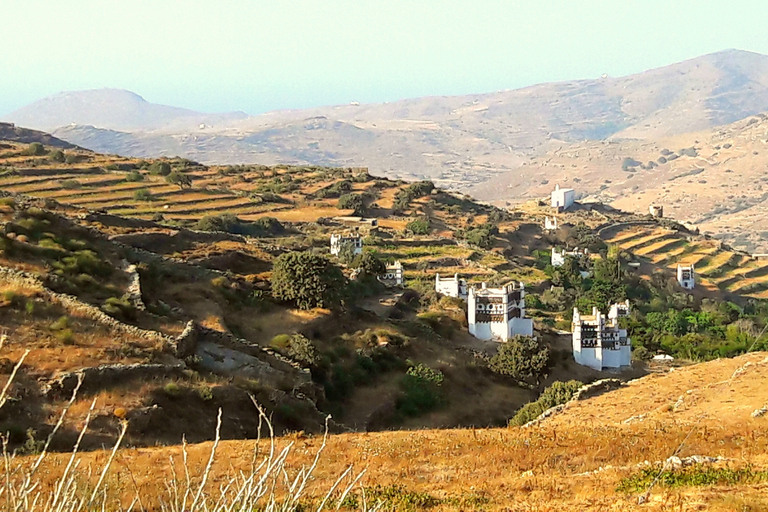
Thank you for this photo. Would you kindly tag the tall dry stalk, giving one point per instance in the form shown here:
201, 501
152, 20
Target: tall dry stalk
270, 486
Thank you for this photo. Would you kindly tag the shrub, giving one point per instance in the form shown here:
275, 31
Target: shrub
57, 155
34, 149
421, 391
142, 194
60, 324
66, 337
418, 226
303, 350
70, 184
521, 358
72, 158
557, 393
309, 280
160, 169
134, 176
119, 308
172, 389
424, 372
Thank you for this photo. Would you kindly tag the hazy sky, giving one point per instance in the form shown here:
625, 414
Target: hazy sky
255, 55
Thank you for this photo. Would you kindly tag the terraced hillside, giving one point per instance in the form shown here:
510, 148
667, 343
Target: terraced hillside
101, 282
717, 266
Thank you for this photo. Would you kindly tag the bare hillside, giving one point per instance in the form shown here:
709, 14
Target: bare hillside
456, 140
714, 179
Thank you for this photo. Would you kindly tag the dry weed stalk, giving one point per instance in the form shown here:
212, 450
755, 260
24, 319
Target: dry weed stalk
269, 486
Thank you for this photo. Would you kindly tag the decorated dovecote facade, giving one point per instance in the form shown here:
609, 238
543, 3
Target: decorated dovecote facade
559, 255
339, 241
451, 286
498, 313
686, 276
598, 341
393, 276
563, 198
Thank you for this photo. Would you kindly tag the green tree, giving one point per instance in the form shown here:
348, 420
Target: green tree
309, 280
179, 179
521, 358
369, 264
160, 169
352, 202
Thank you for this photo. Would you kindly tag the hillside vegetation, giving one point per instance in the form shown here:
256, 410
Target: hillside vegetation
158, 299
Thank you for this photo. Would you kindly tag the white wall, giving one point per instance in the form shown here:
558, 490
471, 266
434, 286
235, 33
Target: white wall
521, 327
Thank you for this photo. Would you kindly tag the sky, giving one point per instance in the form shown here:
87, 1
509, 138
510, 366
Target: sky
262, 55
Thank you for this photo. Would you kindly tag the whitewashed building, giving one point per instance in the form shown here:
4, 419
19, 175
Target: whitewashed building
686, 276
498, 313
598, 341
451, 286
550, 223
558, 255
656, 210
393, 276
339, 241
563, 198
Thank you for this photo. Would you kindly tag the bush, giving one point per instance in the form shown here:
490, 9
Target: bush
521, 358
72, 158
421, 391
57, 155
160, 169
60, 324
142, 194
302, 350
119, 308
66, 337
34, 149
418, 226
557, 393
309, 280
172, 389
70, 184
134, 176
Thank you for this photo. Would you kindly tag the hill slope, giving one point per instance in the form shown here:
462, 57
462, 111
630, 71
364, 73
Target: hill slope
588, 457
714, 179
456, 140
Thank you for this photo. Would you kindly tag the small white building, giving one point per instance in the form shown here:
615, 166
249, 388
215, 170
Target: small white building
559, 255
393, 276
563, 198
498, 313
686, 276
451, 286
656, 210
550, 223
599, 342
339, 241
